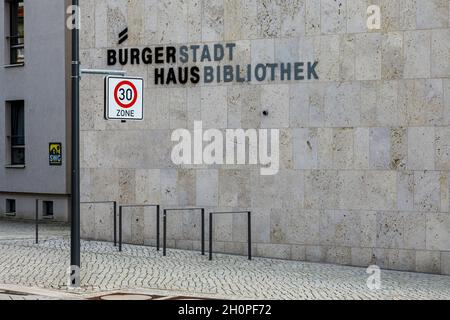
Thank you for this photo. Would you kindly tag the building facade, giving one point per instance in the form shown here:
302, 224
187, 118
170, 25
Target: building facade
364, 153
33, 109
363, 114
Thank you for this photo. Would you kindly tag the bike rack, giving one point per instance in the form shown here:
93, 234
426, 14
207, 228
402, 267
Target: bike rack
249, 225
37, 221
115, 215
183, 209
157, 206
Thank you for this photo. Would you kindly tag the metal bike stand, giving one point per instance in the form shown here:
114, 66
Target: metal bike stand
249, 230
37, 221
157, 206
202, 210
114, 213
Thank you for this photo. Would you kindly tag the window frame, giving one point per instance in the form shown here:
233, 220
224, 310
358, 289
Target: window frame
46, 206
16, 141
16, 42
11, 206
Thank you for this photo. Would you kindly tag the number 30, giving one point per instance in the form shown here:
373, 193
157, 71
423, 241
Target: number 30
125, 94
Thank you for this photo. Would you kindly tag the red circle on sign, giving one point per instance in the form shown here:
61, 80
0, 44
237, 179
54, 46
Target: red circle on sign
135, 94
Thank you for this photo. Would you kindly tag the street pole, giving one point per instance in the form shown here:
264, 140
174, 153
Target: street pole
75, 172
75, 262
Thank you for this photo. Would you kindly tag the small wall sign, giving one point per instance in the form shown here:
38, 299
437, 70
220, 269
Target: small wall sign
55, 154
124, 98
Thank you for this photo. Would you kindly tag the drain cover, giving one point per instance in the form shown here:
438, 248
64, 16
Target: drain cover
124, 296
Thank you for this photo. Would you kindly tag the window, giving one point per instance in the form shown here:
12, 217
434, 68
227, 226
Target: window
10, 206
16, 32
17, 133
48, 208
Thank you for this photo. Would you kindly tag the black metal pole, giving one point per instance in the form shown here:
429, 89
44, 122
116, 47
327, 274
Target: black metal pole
120, 228
210, 235
37, 221
75, 155
115, 223
249, 235
157, 227
164, 231
203, 232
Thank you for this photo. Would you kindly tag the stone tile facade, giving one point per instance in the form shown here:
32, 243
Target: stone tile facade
364, 151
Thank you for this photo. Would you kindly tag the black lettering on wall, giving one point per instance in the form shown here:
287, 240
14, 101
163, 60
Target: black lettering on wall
208, 74
171, 76
219, 52
159, 55
112, 59
184, 57
230, 47
159, 76
123, 56
228, 73
298, 71
195, 75
272, 67
134, 56
183, 74
260, 72
147, 56
206, 55
285, 71
239, 78
171, 55
312, 70
194, 49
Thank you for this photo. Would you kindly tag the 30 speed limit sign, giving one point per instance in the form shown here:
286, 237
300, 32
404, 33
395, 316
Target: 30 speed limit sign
124, 98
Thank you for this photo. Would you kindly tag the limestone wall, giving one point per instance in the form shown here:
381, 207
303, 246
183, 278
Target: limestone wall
365, 150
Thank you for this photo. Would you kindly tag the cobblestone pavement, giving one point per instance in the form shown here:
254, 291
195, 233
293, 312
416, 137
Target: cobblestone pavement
104, 269
10, 230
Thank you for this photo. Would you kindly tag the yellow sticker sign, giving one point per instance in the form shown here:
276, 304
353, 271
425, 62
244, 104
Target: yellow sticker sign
55, 154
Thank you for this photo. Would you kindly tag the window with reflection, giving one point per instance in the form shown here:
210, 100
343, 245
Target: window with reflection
17, 137
17, 32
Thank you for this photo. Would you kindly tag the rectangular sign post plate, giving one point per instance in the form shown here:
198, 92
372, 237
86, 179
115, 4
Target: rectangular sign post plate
55, 154
124, 98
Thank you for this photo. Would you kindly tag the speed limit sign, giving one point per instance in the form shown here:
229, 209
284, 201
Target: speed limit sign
124, 98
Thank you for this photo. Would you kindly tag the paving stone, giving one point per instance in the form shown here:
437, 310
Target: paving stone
143, 268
